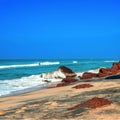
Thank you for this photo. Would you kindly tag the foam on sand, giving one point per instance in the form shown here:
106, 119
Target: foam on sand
24, 84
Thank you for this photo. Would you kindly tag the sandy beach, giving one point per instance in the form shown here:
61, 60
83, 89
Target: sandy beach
53, 103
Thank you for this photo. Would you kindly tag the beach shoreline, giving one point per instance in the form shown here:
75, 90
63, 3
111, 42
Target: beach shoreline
48, 103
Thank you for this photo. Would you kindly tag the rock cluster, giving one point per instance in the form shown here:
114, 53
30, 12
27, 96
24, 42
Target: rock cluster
60, 73
103, 72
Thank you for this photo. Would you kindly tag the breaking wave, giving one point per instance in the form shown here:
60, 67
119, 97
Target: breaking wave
23, 84
49, 63
111, 61
29, 65
93, 71
15, 66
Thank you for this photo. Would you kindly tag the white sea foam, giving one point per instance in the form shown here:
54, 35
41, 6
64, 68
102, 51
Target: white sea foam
111, 61
15, 66
24, 83
49, 63
75, 62
29, 65
93, 71
53, 75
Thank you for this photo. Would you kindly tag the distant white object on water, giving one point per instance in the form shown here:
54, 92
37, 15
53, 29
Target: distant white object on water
75, 62
49, 63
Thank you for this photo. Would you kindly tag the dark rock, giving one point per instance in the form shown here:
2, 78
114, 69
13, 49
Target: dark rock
69, 80
66, 81
67, 71
113, 77
61, 84
115, 67
88, 75
60, 73
99, 75
103, 72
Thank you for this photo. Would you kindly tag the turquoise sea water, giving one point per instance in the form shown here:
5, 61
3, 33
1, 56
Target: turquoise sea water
17, 75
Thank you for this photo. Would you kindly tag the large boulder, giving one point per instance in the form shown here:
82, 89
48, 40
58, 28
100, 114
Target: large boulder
115, 67
66, 81
105, 71
67, 71
61, 73
69, 80
88, 75
100, 75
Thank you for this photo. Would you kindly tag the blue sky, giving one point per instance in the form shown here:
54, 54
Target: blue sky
59, 29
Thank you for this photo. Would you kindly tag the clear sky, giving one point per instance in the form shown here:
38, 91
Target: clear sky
59, 29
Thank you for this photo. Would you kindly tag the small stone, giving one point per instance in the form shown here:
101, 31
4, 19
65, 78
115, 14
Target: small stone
47, 103
2, 112
35, 105
27, 119
54, 104
51, 103
24, 108
20, 111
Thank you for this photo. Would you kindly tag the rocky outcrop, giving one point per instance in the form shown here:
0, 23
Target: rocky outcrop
88, 75
113, 77
64, 72
103, 72
61, 73
116, 67
67, 72
67, 81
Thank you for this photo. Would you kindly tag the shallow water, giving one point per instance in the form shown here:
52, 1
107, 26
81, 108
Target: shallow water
17, 75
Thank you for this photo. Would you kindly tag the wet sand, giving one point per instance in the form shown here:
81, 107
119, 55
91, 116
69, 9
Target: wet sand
53, 103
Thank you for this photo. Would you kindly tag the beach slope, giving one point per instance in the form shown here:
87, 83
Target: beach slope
55, 103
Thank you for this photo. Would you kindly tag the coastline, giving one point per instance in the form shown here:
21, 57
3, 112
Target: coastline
52, 103
35, 88
25, 75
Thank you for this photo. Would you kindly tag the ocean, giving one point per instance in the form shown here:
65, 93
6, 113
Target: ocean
19, 76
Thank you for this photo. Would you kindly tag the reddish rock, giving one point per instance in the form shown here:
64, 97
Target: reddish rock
60, 73
88, 75
99, 75
119, 65
115, 67
68, 72
83, 86
66, 81
65, 69
105, 72
92, 103
69, 80
61, 84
